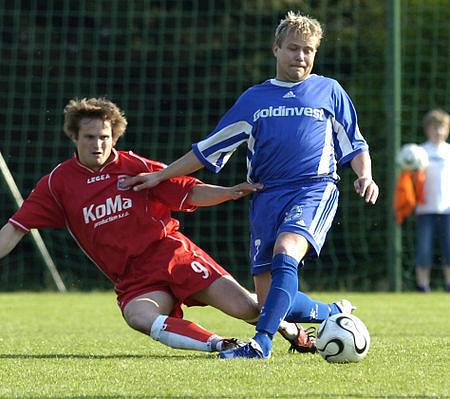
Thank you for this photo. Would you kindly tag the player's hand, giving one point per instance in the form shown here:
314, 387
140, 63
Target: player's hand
367, 188
140, 181
243, 189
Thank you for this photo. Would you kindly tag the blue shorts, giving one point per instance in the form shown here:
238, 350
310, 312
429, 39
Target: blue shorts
307, 210
429, 228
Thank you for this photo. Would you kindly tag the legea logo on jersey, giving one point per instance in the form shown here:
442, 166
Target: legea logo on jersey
112, 209
282, 110
95, 179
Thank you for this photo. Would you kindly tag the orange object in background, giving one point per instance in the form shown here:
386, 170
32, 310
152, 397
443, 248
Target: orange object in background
409, 192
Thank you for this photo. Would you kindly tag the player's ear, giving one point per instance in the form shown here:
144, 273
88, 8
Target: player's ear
275, 48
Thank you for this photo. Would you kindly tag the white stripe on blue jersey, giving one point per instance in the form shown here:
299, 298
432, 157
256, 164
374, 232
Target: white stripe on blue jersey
344, 143
328, 151
220, 146
293, 131
325, 214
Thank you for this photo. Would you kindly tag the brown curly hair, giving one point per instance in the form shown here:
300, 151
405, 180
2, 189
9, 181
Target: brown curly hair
100, 108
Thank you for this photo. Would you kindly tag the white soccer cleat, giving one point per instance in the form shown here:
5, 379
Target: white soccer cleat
345, 306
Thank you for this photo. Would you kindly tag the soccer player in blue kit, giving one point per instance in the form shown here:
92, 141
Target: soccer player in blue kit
298, 126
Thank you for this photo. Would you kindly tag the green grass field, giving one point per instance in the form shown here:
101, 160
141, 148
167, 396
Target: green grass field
77, 346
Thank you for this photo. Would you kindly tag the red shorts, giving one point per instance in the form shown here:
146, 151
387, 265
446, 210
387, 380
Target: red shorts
174, 265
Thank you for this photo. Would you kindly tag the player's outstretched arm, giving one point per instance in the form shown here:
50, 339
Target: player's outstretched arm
183, 166
364, 184
9, 238
208, 195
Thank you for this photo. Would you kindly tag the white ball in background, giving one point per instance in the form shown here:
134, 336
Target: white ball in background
412, 157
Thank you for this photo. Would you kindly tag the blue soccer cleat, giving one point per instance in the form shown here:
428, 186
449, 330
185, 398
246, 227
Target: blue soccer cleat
252, 350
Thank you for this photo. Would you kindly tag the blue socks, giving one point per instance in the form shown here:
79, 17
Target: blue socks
279, 299
265, 342
306, 310
285, 302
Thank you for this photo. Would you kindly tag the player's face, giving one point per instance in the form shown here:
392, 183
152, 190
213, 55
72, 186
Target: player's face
94, 142
295, 57
437, 133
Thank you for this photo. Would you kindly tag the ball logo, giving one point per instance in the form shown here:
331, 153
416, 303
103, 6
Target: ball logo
338, 346
359, 340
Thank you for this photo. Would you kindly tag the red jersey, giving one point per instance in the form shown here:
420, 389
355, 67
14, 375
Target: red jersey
111, 225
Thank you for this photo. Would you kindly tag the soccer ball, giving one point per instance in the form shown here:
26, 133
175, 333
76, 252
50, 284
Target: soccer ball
343, 338
412, 157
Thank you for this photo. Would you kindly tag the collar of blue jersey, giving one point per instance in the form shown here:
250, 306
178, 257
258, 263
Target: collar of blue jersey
282, 83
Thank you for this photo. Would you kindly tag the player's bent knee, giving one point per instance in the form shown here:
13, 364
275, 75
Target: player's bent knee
257, 301
248, 310
291, 244
140, 321
244, 306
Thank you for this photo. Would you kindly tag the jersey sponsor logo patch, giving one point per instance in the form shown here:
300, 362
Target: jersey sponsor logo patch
294, 216
112, 209
294, 213
283, 111
95, 179
120, 183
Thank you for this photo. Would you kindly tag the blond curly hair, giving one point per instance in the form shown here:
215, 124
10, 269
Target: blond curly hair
303, 25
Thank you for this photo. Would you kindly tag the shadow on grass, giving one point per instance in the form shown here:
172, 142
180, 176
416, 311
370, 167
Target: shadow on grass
97, 357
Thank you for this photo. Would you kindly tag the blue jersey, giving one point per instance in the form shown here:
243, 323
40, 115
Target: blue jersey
294, 132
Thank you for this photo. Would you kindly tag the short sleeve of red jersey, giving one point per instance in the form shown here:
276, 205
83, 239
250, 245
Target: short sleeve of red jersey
39, 210
152, 166
174, 192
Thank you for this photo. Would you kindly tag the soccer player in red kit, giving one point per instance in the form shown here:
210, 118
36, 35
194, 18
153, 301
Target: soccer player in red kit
131, 236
